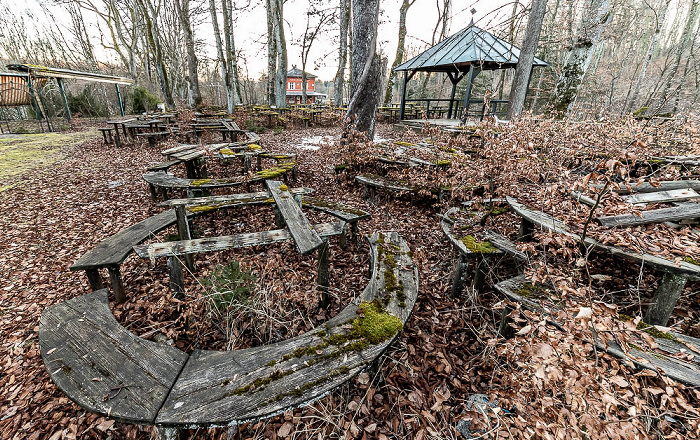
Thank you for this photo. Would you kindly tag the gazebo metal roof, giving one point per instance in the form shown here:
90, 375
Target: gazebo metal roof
470, 46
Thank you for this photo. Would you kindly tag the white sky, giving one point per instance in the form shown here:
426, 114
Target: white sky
251, 28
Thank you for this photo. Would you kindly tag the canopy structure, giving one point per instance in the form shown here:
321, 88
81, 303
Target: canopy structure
33, 74
465, 53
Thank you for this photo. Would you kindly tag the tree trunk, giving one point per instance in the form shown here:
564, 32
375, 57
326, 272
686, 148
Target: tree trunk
194, 95
579, 56
271, 52
660, 20
523, 70
153, 38
398, 59
365, 67
342, 52
229, 55
281, 42
223, 63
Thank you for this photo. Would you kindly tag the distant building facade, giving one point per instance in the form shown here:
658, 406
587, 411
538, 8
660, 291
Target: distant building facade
294, 85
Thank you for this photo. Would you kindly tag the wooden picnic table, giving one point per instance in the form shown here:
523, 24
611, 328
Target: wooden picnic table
116, 124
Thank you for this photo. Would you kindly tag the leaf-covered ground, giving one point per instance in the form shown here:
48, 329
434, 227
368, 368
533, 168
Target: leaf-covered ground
552, 382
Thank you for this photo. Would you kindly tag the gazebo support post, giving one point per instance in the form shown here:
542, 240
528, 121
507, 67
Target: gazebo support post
454, 79
65, 98
406, 78
119, 100
473, 73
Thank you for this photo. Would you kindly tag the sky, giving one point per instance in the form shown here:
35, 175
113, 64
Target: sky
251, 28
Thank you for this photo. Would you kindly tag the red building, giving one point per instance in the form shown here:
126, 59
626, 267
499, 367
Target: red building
294, 92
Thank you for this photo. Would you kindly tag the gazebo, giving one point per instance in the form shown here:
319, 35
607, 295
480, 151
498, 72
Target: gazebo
465, 53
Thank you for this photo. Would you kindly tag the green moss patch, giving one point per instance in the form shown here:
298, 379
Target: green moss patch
479, 247
691, 260
375, 324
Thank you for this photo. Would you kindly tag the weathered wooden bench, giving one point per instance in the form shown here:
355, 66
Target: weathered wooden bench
107, 135
665, 358
468, 249
372, 182
109, 371
111, 252
154, 136
675, 274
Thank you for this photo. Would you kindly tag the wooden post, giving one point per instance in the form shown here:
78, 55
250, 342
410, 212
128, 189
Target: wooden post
344, 236
322, 279
94, 279
504, 329
525, 232
65, 98
177, 281
279, 220
457, 277
665, 298
479, 275
183, 230
406, 78
119, 100
355, 232
115, 277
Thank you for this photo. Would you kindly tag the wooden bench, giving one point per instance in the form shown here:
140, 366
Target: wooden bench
660, 359
468, 249
153, 137
164, 166
101, 366
107, 135
675, 274
370, 182
112, 252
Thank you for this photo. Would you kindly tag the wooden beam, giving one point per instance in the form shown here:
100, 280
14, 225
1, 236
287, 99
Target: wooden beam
304, 235
676, 213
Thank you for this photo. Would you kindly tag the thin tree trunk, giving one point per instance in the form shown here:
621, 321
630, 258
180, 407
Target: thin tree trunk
194, 95
281, 43
223, 64
229, 55
660, 20
153, 38
342, 52
271, 52
398, 59
523, 70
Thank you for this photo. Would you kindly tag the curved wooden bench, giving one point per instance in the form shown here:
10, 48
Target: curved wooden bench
370, 182
672, 283
107, 370
662, 358
111, 252
103, 367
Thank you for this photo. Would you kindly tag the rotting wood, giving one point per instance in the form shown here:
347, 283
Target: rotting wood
665, 298
674, 195
685, 211
305, 237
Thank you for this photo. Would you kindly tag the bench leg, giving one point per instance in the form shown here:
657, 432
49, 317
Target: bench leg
355, 232
168, 433
154, 193
344, 236
115, 277
458, 275
177, 281
505, 330
183, 229
525, 232
322, 279
665, 299
94, 279
279, 220
479, 276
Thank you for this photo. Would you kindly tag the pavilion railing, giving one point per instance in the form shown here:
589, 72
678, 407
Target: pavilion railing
454, 108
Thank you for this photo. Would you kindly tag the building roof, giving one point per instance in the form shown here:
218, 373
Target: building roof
297, 73
51, 72
470, 46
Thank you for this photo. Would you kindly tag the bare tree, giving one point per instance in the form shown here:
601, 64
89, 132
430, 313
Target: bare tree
271, 51
523, 70
339, 83
183, 12
281, 43
316, 18
225, 50
400, 48
578, 58
150, 15
365, 67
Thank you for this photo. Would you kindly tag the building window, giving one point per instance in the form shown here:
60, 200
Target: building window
291, 86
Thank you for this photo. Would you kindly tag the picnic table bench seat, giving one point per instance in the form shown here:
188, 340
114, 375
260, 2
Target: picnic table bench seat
103, 367
675, 273
164, 166
499, 246
370, 182
107, 134
111, 252
154, 136
664, 358
107, 370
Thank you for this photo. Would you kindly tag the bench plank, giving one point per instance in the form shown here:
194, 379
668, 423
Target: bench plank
305, 237
675, 195
337, 210
114, 250
676, 213
229, 200
185, 247
216, 387
103, 367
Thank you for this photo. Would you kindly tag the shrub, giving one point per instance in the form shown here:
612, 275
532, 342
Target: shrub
85, 103
228, 285
141, 100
